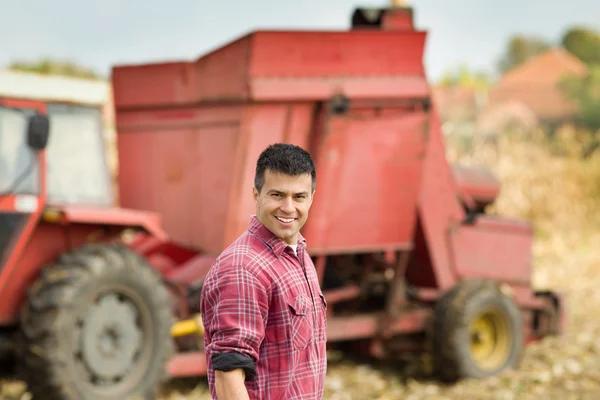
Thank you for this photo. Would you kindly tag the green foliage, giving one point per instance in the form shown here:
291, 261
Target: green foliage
585, 92
465, 77
48, 66
584, 43
519, 49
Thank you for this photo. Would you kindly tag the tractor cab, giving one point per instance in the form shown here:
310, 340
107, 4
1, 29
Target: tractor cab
23, 134
51, 155
18, 166
75, 167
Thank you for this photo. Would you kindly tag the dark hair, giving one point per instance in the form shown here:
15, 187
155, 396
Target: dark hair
284, 158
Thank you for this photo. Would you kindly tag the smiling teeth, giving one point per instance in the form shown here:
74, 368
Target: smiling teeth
286, 220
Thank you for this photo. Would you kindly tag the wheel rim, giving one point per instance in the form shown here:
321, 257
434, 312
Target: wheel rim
113, 341
111, 338
490, 339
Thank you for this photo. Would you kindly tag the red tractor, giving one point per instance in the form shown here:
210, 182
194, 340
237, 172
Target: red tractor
98, 301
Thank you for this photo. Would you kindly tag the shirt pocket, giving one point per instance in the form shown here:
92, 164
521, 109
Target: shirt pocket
301, 321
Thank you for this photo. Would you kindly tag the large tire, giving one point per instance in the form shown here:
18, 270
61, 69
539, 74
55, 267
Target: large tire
477, 332
96, 326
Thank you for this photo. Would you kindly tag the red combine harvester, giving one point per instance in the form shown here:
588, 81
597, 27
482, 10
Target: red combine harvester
407, 257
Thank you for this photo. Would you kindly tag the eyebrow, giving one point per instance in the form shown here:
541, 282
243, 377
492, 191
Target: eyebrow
282, 192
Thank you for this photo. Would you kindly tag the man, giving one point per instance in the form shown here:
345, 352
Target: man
263, 311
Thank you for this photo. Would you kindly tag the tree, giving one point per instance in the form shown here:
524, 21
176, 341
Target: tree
48, 66
584, 43
519, 49
585, 92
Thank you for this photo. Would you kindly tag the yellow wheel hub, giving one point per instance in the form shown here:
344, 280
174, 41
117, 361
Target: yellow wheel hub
491, 339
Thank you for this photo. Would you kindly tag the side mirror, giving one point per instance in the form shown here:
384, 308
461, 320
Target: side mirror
38, 130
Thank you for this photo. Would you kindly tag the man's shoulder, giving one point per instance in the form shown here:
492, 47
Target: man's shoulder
246, 244
248, 251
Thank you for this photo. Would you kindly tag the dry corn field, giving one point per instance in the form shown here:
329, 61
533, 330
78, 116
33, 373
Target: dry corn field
560, 192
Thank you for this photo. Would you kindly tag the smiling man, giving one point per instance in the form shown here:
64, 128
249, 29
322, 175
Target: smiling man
263, 311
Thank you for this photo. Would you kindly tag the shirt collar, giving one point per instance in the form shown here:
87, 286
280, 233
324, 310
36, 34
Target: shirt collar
276, 244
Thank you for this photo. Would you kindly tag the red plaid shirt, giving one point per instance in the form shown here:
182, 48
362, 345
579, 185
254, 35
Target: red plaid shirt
262, 301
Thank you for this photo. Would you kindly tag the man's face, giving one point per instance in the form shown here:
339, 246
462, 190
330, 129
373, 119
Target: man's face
283, 203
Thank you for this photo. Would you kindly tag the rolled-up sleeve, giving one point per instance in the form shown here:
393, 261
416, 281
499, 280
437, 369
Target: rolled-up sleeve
234, 307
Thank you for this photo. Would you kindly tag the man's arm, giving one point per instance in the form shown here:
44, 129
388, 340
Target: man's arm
230, 385
234, 309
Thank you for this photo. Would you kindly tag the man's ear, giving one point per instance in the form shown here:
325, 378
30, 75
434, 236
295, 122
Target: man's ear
255, 194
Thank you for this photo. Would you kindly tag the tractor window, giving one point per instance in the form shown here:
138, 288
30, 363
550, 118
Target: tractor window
18, 165
77, 168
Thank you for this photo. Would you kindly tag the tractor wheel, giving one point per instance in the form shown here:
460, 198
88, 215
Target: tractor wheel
477, 332
96, 326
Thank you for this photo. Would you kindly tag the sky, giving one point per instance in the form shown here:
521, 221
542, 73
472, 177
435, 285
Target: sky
100, 34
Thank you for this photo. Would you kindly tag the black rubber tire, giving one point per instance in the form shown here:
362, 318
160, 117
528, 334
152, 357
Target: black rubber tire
47, 344
450, 340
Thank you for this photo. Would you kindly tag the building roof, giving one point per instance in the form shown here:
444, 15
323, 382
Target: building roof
459, 103
31, 86
535, 83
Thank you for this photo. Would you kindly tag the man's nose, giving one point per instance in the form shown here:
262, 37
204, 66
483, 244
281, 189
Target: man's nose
287, 205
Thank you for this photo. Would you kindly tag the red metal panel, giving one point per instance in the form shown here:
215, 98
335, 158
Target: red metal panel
114, 216
210, 186
364, 63
341, 54
493, 249
167, 118
369, 173
299, 124
151, 84
160, 181
267, 89
181, 163
219, 75
262, 125
439, 209
223, 73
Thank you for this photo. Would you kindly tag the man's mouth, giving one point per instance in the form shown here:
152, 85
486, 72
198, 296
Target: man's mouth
286, 220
